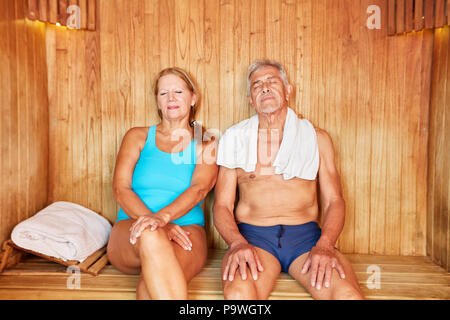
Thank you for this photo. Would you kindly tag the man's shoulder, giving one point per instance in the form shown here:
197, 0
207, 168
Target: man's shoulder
240, 125
324, 140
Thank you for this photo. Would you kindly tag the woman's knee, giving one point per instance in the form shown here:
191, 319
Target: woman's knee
153, 241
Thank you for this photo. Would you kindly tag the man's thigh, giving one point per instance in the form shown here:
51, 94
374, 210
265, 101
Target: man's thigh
347, 288
249, 288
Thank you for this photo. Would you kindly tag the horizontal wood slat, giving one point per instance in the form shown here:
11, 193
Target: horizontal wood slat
400, 278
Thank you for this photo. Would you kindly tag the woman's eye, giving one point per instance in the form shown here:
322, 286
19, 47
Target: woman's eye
179, 91
162, 93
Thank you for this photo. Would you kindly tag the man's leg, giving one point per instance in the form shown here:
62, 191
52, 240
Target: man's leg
250, 289
340, 289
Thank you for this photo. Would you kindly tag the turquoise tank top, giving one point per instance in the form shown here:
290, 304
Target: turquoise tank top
160, 177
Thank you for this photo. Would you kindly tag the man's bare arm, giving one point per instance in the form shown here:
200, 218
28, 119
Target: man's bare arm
240, 253
322, 258
330, 192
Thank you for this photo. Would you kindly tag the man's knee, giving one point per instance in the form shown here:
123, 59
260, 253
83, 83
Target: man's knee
240, 290
346, 292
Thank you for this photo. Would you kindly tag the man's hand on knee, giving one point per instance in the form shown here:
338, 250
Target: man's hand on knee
241, 255
321, 261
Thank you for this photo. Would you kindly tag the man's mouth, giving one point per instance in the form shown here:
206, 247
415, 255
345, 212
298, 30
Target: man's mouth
267, 98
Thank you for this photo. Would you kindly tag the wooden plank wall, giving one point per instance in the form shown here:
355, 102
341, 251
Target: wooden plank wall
438, 222
369, 91
24, 117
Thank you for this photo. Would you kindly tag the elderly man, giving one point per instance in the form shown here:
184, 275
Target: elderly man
275, 159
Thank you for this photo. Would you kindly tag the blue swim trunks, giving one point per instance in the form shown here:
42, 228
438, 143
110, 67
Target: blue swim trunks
284, 242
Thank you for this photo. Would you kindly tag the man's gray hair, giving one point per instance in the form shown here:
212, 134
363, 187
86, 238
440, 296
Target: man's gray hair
257, 64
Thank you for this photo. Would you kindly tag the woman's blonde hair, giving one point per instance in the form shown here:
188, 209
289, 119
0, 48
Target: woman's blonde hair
190, 83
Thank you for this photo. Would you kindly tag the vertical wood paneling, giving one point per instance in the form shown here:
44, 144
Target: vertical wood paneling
92, 14
52, 11
152, 57
24, 120
346, 141
391, 17
438, 246
400, 16
367, 90
409, 15
62, 12
419, 22
429, 14
440, 19
43, 10
241, 30
226, 67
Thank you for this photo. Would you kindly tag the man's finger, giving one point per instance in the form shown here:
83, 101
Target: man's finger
243, 269
306, 265
233, 267
258, 262
340, 269
253, 268
320, 275
328, 273
314, 267
227, 268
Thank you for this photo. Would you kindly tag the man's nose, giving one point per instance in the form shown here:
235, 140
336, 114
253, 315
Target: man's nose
266, 87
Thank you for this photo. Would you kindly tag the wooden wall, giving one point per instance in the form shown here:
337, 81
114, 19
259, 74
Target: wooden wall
369, 91
24, 117
438, 222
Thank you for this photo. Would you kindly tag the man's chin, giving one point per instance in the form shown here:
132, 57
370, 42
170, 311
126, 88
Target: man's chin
269, 109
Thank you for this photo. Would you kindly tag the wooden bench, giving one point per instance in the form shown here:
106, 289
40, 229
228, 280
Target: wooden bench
400, 278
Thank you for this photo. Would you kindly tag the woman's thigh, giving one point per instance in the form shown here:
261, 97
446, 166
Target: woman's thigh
121, 253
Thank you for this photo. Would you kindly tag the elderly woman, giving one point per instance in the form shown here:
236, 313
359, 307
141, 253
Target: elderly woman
162, 175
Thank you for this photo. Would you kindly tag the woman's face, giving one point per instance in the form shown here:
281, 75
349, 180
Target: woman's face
174, 98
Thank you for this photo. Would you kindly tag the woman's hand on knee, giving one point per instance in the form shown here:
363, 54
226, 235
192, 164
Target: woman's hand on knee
179, 235
153, 221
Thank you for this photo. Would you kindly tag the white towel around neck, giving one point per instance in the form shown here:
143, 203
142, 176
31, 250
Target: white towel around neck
298, 155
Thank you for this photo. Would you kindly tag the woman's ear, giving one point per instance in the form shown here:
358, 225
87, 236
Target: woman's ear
193, 100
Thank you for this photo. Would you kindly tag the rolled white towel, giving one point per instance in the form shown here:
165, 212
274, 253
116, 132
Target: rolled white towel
63, 230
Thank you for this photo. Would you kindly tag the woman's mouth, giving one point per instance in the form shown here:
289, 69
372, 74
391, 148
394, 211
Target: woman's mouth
172, 107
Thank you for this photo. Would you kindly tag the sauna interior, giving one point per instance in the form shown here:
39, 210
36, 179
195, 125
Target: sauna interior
375, 74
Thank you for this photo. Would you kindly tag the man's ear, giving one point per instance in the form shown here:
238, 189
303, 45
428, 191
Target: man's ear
250, 101
288, 91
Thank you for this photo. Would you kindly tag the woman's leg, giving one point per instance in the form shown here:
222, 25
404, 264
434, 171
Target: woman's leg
165, 267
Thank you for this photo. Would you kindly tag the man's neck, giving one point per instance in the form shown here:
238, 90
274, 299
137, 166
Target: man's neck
273, 120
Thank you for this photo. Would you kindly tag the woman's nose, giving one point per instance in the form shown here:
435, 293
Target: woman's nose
171, 95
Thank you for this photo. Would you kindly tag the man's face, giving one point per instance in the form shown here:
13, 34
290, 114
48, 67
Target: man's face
267, 90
